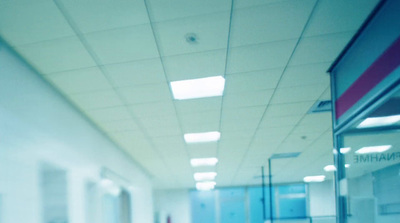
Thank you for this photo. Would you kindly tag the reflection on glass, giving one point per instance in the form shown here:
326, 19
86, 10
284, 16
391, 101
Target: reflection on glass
374, 176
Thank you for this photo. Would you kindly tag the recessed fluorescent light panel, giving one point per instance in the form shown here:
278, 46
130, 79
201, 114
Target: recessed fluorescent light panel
208, 185
373, 149
379, 121
330, 168
345, 150
318, 178
347, 165
202, 137
212, 161
205, 176
198, 88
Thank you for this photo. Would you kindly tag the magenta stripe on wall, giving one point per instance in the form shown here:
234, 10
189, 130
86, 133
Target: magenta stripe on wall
375, 73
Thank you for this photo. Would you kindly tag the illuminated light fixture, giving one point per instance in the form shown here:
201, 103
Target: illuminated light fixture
198, 88
202, 137
106, 182
330, 168
207, 185
114, 190
345, 150
379, 121
205, 176
373, 149
318, 178
212, 161
347, 165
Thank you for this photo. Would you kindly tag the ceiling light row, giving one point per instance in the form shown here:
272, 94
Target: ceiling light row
200, 88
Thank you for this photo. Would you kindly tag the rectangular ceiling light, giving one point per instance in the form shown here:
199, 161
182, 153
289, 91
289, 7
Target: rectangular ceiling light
205, 176
373, 149
212, 161
345, 150
379, 121
330, 168
207, 185
318, 178
202, 137
198, 88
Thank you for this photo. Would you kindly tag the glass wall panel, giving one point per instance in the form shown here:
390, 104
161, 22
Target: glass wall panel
203, 206
232, 205
256, 205
372, 159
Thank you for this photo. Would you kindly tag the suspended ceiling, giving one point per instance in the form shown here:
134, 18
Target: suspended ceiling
114, 61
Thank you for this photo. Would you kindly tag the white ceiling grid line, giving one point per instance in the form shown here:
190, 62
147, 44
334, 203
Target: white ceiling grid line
288, 61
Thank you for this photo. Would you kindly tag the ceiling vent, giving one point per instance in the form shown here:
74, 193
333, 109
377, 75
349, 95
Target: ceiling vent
321, 106
284, 155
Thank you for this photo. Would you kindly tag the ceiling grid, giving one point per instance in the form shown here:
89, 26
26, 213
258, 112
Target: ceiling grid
114, 60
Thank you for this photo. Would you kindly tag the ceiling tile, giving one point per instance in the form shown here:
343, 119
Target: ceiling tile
316, 128
212, 146
203, 152
109, 114
298, 93
239, 124
136, 73
252, 81
320, 49
267, 135
200, 121
120, 126
271, 122
23, 22
145, 93
260, 56
326, 95
198, 105
290, 147
230, 145
176, 141
161, 108
57, 55
271, 22
163, 131
127, 44
159, 121
305, 74
195, 65
97, 99
299, 108
254, 3
338, 16
172, 150
133, 140
246, 99
317, 118
78, 81
171, 35
162, 10
234, 114
232, 135
98, 15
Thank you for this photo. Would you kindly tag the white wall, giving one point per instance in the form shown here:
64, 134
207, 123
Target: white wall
37, 124
322, 199
173, 203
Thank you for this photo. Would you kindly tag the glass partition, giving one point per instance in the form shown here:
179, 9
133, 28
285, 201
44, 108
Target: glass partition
371, 154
